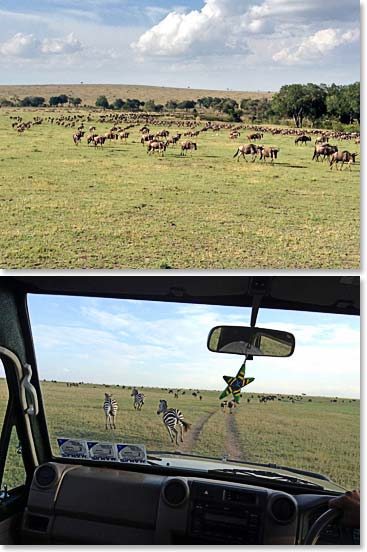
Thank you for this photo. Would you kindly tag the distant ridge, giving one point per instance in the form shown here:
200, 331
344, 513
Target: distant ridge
89, 92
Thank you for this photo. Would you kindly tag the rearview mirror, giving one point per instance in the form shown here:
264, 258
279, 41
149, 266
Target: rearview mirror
242, 340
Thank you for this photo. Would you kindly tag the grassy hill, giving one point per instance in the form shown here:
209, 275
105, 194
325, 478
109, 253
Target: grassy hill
89, 92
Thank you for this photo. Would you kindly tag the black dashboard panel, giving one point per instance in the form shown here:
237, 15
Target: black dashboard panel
101, 505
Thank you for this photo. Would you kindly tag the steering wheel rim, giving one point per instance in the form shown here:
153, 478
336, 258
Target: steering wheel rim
321, 522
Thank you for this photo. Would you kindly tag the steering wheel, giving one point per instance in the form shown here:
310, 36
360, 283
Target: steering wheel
320, 524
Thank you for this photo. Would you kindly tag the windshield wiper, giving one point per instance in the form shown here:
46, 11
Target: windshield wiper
266, 476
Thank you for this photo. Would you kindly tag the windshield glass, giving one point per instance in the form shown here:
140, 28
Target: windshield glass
127, 363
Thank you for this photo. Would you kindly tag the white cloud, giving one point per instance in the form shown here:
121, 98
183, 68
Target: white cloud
317, 45
67, 45
216, 28
22, 45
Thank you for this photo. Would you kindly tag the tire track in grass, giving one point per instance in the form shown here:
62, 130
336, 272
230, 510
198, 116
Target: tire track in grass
232, 445
192, 436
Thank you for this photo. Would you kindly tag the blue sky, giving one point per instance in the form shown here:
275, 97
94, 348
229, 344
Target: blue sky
164, 345
219, 44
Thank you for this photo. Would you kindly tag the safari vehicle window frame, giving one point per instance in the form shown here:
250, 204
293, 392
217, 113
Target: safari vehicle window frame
151, 468
16, 496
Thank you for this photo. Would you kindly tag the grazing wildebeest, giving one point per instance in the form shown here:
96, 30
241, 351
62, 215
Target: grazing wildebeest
255, 136
124, 136
342, 157
146, 138
155, 145
246, 149
223, 406
188, 146
321, 140
78, 136
268, 151
325, 150
99, 140
90, 138
173, 139
303, 139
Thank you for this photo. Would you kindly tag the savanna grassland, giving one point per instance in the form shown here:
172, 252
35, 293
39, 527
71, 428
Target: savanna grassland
89, 92
65, 206
320, 435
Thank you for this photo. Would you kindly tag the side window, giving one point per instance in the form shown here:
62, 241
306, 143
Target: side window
14, 473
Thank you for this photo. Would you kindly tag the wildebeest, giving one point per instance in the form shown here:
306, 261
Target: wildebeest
146, 138
78, 136
99, 140
325, 150
303, 139
255, 136
188, 146
268, 151
246, 149
321, 140
156, 145
342, 157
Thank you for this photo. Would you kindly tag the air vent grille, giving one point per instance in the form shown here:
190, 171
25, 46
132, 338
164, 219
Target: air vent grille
175, 492
45, 476
283, 510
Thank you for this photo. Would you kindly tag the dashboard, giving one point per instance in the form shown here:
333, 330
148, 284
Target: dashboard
78, 504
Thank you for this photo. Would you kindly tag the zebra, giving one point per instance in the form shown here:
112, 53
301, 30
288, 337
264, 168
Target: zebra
138, 399
110, 407
171, 419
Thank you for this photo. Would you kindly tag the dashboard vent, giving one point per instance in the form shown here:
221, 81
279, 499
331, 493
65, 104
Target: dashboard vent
283, 510
45, 476
175, 492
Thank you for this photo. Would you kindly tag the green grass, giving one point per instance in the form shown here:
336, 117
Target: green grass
79, 207
318, 436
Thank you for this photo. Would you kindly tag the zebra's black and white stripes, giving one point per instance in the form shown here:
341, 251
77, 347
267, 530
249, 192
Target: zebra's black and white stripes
172, 417
138, 399
110, 407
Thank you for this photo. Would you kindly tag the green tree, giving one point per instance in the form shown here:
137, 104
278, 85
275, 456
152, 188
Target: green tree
186, 104
343, 102
118, 103
75, 101
171, 104
299, 101
102, 101
54, 100
63, 99
32, 101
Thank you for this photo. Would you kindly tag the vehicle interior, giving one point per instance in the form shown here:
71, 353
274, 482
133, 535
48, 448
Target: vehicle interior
170, 498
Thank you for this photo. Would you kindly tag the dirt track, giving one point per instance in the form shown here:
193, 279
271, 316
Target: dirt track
233, 448
192, 436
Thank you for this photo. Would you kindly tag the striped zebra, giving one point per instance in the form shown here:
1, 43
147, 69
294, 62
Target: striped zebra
110, 407
138, 399
171, 419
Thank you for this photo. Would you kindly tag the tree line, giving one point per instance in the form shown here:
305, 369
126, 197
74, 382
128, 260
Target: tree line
318, 105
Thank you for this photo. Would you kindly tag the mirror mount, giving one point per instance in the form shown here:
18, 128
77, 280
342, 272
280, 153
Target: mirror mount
256, 301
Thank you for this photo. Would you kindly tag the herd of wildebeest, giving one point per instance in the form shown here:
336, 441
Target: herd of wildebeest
186, 133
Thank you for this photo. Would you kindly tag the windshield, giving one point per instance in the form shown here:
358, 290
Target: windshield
113, 370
